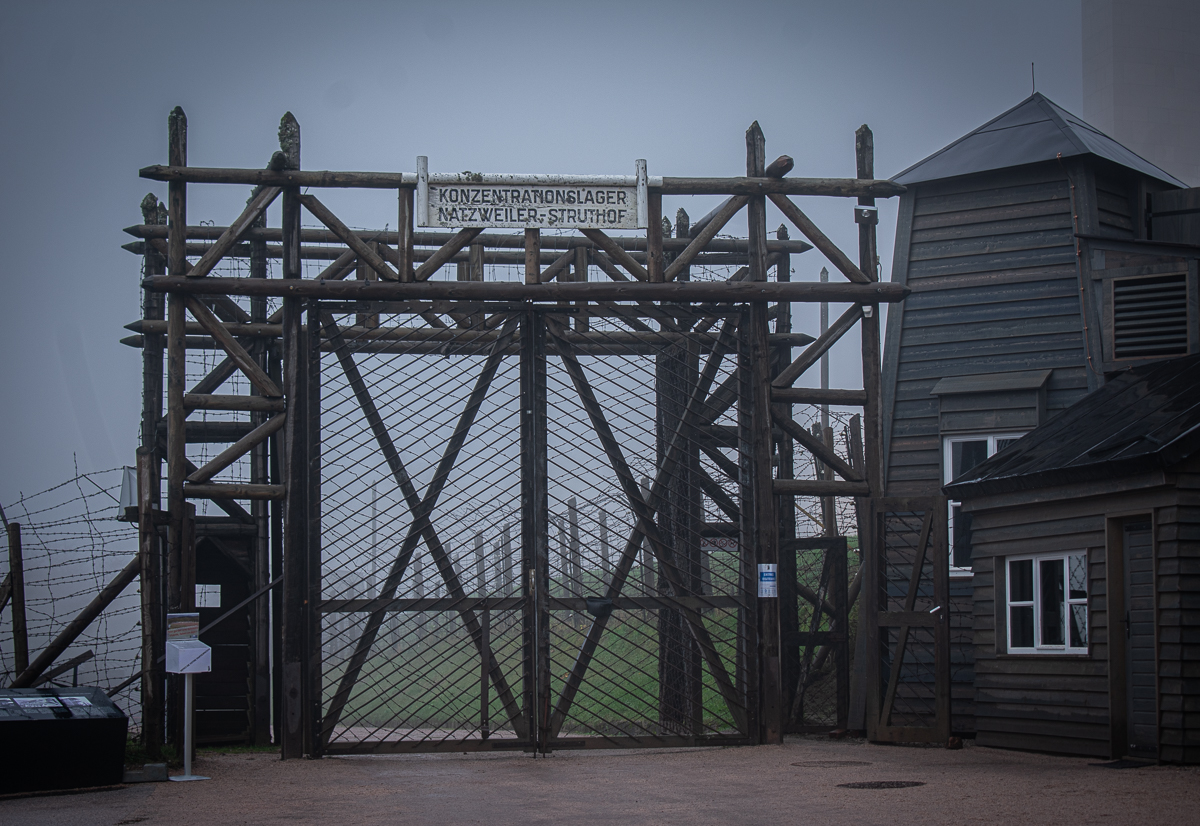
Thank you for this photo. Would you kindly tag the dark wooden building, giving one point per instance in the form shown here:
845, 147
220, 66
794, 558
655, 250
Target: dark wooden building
1085, 540
1030, 250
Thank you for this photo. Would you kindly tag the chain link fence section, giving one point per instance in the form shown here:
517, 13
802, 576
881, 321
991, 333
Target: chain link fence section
420, 569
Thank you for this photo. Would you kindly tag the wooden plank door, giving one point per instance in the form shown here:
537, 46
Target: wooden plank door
907, 586
1141, 695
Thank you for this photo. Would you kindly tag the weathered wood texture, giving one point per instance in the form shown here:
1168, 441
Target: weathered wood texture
991, 262
1068, 703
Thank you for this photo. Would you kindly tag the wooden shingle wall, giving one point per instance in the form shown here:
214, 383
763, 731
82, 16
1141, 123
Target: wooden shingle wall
1055, 703
991, 262
1178, 579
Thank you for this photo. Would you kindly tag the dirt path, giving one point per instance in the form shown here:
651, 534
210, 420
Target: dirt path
717, 786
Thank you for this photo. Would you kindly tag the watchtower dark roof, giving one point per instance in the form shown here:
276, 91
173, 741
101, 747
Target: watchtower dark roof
1035, 130
1145, 419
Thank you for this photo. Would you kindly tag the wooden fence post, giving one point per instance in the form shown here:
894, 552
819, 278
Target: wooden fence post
176, 379
16, 567
295, 474
153, 618
765, 530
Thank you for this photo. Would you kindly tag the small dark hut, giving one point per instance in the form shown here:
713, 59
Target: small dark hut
1085, 540
1042, 256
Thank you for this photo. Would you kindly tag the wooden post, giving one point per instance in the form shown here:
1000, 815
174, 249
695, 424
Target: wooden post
153, 643
295, 474
864, 151
405, 239
824, 356
654, 236
533, 256
766, 531
789, 663
475, 273
580, 274
864, 146
260, 474
275, 467
16, 567
535, 529
176, 355
177, 194
311, 404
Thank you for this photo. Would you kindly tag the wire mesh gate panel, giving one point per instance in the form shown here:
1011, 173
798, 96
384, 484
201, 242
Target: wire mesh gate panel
817, 643
518, 532
908, 698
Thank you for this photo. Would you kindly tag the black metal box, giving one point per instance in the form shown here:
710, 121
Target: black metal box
59, 738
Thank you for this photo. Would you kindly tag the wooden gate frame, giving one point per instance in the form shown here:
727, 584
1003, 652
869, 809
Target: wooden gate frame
271, 352
932, 550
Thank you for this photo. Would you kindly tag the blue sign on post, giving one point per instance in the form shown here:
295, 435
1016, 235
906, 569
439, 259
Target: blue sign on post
768, 585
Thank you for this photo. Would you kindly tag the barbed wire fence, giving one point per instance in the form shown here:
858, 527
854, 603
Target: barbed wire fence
73, 545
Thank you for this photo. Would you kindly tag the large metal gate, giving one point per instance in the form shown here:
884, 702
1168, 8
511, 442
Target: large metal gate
517, 531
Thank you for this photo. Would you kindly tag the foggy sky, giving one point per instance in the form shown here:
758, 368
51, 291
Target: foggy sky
85, 89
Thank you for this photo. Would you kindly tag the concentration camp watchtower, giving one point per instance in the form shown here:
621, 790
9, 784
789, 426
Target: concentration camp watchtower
522, 472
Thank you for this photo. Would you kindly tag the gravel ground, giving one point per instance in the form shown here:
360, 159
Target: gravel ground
702, 786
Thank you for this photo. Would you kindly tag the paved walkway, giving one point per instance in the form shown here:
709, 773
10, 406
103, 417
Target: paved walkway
712, 786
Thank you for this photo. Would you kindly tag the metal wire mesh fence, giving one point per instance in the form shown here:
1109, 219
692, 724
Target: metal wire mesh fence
72, 546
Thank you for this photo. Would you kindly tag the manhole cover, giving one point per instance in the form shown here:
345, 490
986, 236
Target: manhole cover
882, 784
830, 764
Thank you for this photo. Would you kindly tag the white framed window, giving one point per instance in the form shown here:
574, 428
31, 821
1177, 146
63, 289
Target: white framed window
960, 454
1046, 603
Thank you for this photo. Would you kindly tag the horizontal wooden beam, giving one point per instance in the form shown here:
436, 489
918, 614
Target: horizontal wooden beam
205, 401
814, 487
229, 344
813, 395
233, 491
490, 240
835, 187
832, 187
683, 292
477, 342
913, 619
192, 328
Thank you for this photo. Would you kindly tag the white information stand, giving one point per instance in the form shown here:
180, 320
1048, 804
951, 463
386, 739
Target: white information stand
188, 656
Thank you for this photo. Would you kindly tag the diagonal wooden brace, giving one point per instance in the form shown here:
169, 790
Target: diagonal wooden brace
812, 354
813, 445
258, 204
360, 247
731, 208
819, 240
229, 344
910, 602
617, 253
239, 448
445, 252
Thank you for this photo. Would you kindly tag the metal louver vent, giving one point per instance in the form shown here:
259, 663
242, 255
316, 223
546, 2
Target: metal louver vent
1150, 317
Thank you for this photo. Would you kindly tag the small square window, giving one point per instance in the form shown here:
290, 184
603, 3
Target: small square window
1047, 604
